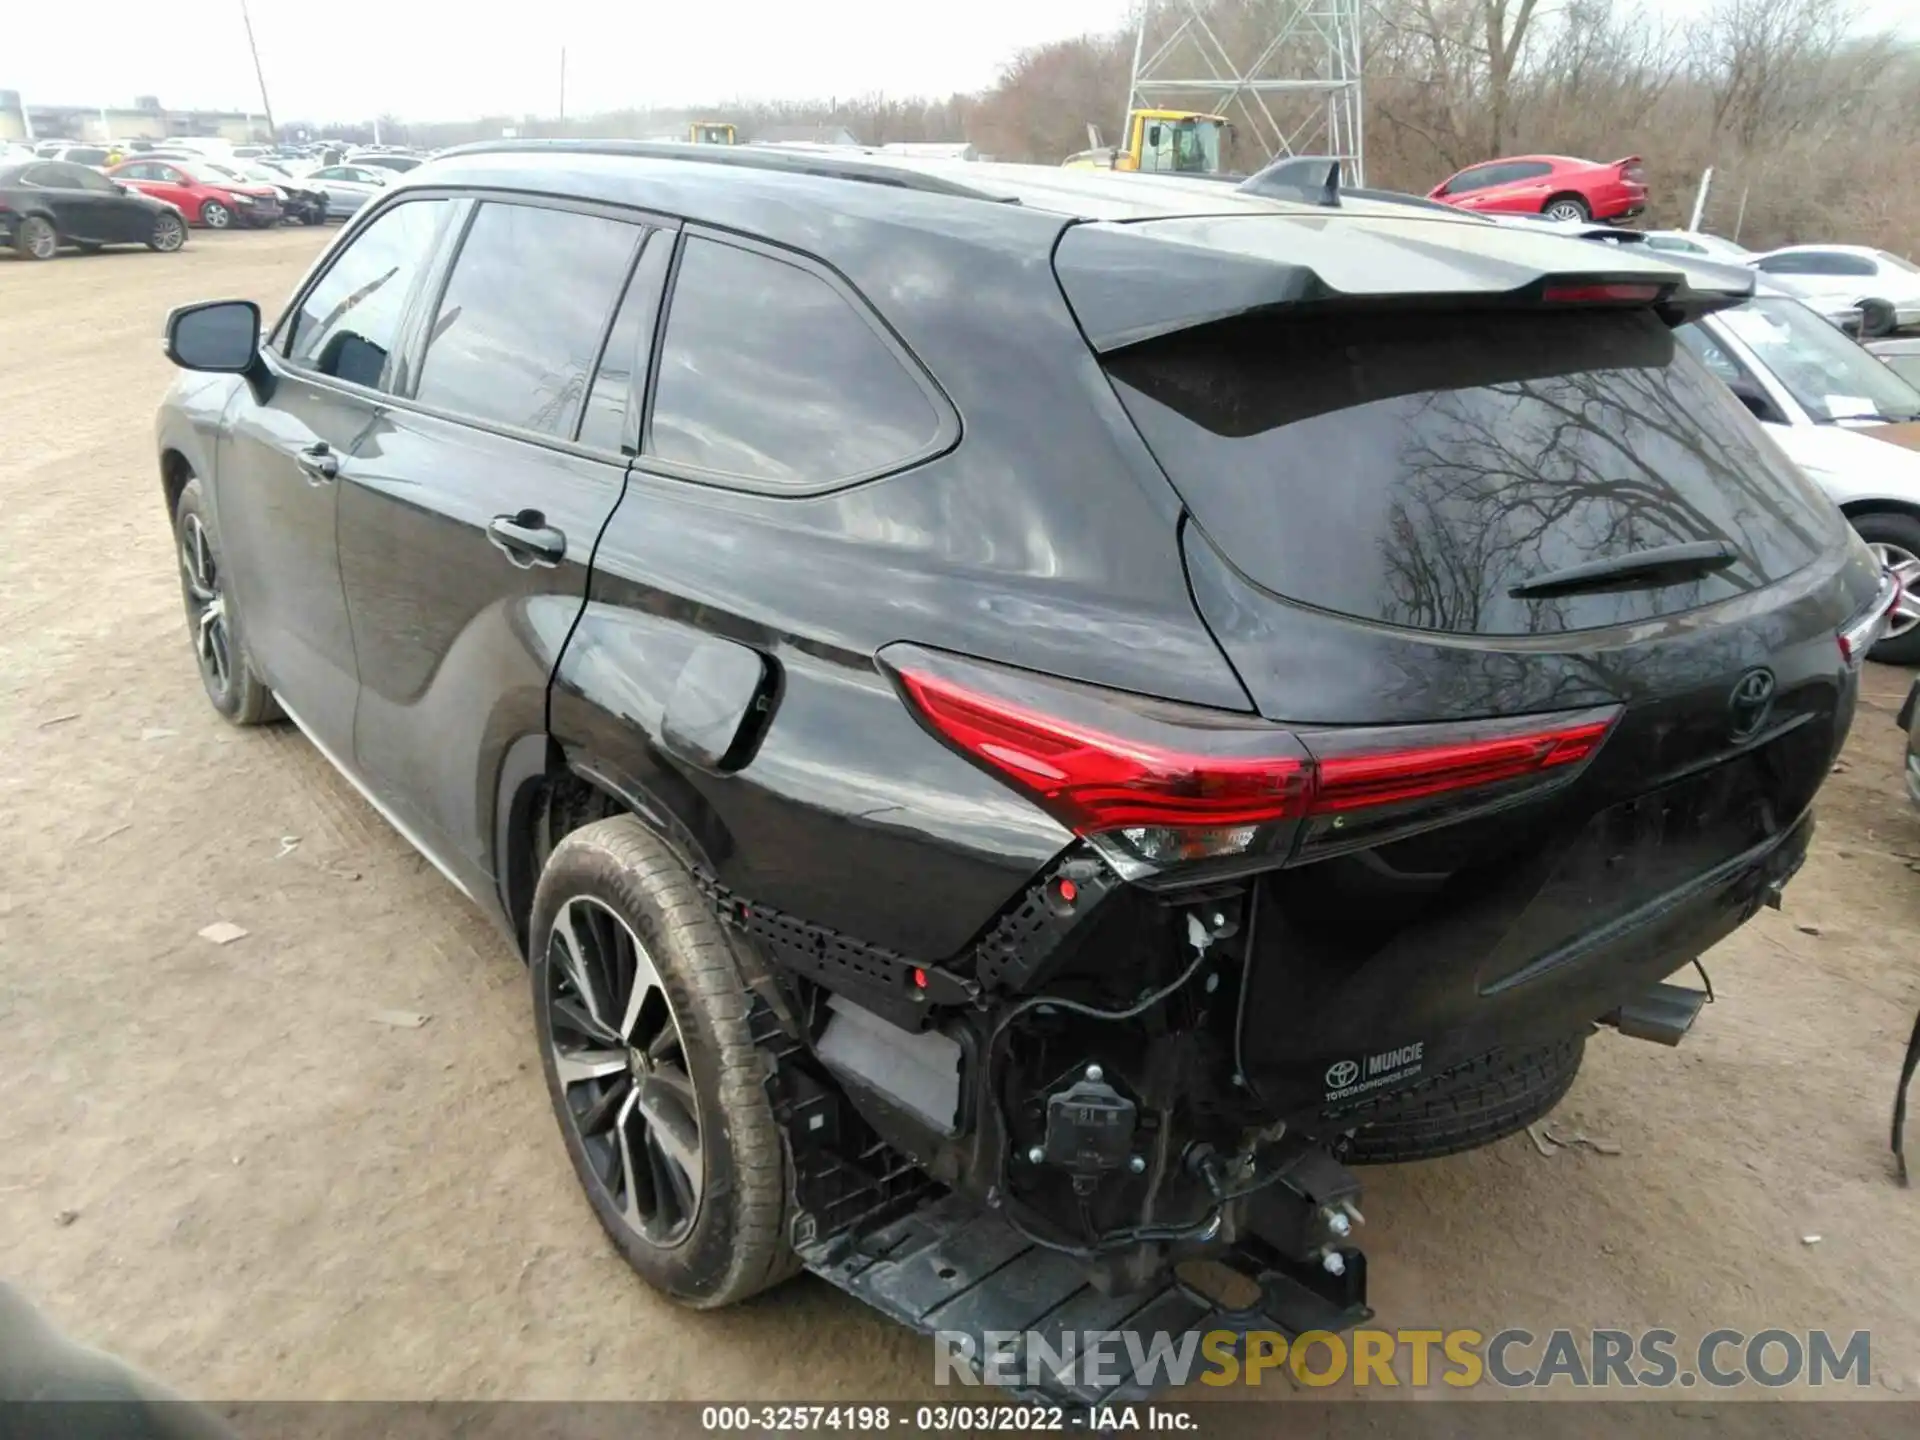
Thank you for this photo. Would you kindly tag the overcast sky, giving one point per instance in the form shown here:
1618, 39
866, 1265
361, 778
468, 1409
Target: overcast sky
435, 60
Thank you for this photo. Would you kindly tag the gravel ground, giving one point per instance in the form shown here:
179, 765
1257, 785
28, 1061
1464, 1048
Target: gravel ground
215, 1163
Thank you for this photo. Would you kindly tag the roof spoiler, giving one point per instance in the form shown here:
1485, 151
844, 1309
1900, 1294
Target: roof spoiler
1134, 282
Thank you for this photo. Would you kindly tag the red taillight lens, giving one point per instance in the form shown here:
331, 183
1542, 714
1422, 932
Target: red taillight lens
1609, 294
1092, 781
1354, 782
1165, 803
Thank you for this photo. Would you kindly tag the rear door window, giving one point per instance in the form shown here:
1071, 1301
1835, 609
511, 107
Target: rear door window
519, 327
772, 375
1413, 468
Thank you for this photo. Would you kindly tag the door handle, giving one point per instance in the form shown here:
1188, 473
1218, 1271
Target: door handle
318, 463
527, 540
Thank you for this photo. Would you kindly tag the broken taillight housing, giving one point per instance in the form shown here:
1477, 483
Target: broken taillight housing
1156, 785
1860, 634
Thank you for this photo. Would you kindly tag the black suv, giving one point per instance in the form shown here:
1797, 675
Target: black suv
1023, 721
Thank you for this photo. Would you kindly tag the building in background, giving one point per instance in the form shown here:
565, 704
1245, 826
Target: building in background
145, 119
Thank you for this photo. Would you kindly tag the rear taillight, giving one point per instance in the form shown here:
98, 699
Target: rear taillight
1863, 632
1393, 777
1155, 785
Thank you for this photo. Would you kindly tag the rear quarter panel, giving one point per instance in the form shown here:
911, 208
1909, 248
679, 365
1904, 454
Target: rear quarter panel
1045, 538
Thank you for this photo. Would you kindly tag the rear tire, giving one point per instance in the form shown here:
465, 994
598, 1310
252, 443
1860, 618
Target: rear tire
1567, 207
1878, 318
1894, 538
1490, 1099
654, 1081
36, 239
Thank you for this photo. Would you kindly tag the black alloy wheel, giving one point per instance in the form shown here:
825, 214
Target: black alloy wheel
621, 1062
206, 608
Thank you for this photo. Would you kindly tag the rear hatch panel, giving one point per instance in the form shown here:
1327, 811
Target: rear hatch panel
1531, 923
1378, 495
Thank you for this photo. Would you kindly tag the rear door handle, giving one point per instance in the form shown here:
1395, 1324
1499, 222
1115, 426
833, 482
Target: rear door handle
527, 540
318, 463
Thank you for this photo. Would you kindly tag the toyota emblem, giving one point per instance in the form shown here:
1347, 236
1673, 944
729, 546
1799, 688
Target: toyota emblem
1751, 703
1341, 1074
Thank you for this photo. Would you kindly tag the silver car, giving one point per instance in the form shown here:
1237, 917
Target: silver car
347, 187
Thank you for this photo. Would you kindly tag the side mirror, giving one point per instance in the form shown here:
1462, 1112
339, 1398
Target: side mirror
220, 336
1153, 136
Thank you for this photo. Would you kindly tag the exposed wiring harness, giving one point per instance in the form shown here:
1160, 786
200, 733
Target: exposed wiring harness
1032, 1231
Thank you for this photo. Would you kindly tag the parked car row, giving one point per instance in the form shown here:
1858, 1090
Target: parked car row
45, 204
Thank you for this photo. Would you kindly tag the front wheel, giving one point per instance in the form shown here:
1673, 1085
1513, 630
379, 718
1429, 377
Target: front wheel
1894, 538
169, 234
1567, 207
36, 238
215, 216
640, 1009
226, 671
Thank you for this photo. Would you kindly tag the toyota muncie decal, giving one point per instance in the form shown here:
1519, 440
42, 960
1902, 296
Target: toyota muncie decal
1353, 1077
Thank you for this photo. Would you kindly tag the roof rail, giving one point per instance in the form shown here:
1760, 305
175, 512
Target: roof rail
747, 157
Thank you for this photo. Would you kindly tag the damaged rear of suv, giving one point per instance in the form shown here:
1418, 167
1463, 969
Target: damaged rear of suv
1083, 708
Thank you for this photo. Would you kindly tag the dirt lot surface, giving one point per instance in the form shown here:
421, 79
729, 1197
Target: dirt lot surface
216, 1163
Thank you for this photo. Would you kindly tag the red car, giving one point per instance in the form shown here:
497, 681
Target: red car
204, 196
1551, 185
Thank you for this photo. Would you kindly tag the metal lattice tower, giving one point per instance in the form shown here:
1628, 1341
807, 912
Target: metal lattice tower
1286, 72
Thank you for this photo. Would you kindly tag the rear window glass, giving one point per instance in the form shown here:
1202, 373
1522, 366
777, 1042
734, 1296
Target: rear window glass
769, 375
1413, 468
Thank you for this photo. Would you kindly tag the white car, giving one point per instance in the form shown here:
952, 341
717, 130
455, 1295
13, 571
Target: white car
1698, 242
347, 187
1844, 417
1837, 277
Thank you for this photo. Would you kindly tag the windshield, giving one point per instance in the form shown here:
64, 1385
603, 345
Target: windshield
1826, 373
1196, 147
1181, 147
205, 171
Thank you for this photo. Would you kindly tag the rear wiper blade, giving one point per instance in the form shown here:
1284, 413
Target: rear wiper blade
1642, 570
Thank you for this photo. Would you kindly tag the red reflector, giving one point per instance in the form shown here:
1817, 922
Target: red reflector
1067, 891
1352, 782
920, 977
1601, 294
1094, 781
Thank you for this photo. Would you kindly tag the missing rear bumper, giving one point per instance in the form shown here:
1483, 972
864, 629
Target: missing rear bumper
1032, 1321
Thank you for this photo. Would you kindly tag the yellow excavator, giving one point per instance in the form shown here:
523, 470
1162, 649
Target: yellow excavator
710, 132
1164, 142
